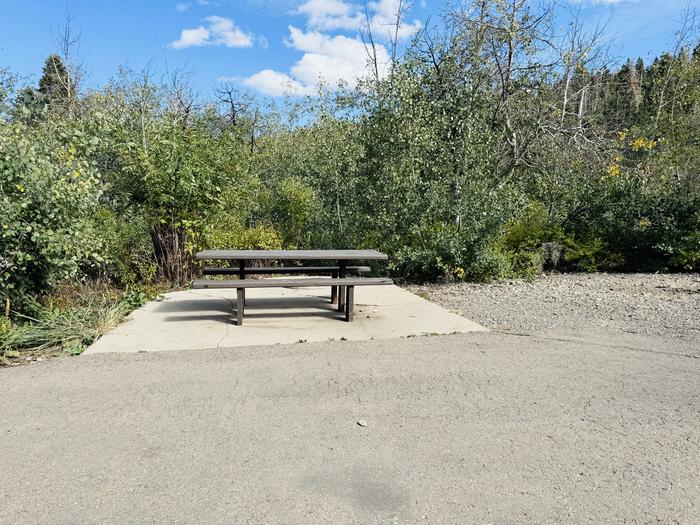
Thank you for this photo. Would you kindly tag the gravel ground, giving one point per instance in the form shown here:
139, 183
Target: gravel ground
654, 305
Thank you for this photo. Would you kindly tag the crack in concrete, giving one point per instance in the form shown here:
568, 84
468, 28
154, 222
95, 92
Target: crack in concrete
231, 304
594, 343
228, 324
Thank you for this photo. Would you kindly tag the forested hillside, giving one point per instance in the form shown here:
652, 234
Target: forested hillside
491, 141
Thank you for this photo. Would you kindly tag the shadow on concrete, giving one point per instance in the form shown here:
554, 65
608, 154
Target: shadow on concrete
289, 302
208, 308
329, 313
222, 318
221, 304
204, 304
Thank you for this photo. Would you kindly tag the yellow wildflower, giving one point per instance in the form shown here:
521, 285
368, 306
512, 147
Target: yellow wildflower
641, 143
614, 170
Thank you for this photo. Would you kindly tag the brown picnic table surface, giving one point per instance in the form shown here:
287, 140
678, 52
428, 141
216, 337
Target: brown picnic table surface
291, 255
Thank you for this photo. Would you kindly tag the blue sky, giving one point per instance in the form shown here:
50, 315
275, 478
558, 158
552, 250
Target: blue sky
266, 46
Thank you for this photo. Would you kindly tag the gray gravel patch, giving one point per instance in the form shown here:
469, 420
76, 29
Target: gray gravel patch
649, 310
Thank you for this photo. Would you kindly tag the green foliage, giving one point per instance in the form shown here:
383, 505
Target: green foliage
48, 193
258, 238
588, 255
171, 169
237, 237
31, 106
685, 254
294, 207
5, 326
127, 248
526, 264
530, 230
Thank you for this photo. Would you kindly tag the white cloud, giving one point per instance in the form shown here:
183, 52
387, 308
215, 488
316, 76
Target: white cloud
275, 84
198, 36
181, 7
331, 60
384, 20
331, 15
216, 31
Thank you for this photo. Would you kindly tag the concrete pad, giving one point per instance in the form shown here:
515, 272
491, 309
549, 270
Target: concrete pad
202, 319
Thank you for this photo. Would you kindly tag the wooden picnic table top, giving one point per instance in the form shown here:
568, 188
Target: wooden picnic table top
292, 255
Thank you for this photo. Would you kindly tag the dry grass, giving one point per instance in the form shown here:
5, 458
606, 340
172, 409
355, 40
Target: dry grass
66, 322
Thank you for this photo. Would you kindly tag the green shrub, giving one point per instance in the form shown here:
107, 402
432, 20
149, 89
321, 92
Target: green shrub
295, 208
686, 254
590, 255
229, 233
528, 232
449, 253
522, 239
128, 249
490, 264
48, 194
5, 326
259, 238
526, 264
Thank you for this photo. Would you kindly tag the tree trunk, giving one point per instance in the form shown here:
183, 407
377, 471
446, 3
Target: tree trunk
169, 246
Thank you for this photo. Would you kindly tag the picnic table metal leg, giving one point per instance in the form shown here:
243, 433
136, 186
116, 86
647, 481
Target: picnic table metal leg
240, 305
241, 275
334, 289
341, 289
349, 303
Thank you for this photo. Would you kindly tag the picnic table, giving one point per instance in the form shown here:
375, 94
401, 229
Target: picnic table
337, 267
340, 256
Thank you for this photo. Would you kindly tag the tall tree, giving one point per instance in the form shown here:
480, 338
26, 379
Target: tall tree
55, 83
634, 85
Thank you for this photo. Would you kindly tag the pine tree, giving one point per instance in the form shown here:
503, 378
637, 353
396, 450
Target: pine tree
658, 78
55, 83
623, 96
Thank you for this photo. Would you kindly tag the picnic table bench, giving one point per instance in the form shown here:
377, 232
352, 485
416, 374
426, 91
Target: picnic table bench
342, 286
